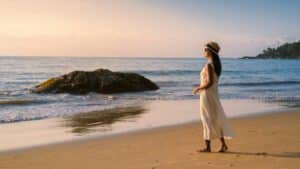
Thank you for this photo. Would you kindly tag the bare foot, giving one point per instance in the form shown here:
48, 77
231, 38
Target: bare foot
205, 150
223, 149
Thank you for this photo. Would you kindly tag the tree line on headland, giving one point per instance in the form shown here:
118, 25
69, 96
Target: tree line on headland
284, 51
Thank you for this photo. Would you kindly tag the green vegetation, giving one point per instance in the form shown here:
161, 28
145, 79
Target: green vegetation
285, 51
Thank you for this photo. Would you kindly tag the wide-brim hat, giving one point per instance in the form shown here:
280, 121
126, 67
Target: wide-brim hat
213, 47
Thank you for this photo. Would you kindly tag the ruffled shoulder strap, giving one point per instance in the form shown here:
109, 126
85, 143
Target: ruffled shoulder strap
211, 64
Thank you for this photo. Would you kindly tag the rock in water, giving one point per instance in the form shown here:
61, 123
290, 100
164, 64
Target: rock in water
100, 81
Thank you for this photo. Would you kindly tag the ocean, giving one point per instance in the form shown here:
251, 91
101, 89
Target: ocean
275, 81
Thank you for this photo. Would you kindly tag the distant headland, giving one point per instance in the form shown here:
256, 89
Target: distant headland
284, 51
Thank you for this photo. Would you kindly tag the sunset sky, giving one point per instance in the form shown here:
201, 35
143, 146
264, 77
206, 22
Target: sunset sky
144, 28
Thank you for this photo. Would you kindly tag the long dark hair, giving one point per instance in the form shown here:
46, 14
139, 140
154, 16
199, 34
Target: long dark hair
217, 63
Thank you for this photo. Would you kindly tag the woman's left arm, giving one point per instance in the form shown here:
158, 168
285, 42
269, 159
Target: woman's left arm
210, 80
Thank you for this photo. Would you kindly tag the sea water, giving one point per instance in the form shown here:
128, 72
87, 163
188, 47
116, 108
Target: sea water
275, 81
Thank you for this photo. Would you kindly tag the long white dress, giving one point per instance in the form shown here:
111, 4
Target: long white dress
214, 121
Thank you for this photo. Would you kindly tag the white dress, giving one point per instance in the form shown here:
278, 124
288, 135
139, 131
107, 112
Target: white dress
214, 121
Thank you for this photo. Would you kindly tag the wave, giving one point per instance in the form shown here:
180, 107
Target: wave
268, 83
171, 83
237, 84
182, 72
17, 92
166, 72
2, 121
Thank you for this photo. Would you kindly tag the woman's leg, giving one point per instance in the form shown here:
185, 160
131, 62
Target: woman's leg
224, 146
206, 136
207, 148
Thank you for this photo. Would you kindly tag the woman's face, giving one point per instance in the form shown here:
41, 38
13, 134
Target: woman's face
206, 53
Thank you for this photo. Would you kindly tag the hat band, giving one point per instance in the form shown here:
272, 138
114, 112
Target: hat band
212, 49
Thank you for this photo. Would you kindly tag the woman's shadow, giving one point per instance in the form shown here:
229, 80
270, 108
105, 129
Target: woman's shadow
281, 155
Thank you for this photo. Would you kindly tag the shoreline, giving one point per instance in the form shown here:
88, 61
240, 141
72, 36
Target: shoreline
258, 143
61, 131
138, 131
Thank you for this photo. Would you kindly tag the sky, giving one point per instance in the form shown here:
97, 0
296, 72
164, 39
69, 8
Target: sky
145, 28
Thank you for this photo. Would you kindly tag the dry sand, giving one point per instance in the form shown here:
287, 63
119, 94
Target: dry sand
267, 141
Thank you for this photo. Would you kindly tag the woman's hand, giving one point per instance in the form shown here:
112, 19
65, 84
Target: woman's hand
196, 90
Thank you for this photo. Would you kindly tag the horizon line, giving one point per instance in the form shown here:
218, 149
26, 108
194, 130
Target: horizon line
134, 57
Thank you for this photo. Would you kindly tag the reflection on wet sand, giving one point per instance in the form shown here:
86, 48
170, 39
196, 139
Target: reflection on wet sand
101, 120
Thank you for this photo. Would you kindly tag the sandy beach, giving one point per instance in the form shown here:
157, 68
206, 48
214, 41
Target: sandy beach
123, 84
264, 141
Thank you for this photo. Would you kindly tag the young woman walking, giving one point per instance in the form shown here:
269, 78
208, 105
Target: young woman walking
214, 121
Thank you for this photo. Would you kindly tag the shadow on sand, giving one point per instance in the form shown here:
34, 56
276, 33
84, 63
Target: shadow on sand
83, 123
282, 155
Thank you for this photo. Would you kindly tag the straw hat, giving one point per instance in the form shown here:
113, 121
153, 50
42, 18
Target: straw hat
213, 47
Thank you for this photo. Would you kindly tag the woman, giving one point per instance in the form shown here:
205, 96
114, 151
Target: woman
214, 121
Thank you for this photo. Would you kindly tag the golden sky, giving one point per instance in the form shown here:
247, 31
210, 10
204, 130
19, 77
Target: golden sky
111, 28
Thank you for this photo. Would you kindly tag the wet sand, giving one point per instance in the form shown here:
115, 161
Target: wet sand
103, 123
265, 141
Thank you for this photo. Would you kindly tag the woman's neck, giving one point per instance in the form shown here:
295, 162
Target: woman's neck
209, 60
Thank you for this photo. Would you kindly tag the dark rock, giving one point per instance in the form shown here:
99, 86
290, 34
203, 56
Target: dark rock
100, 81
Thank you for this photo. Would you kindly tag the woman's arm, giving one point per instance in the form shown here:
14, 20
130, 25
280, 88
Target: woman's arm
210, 80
